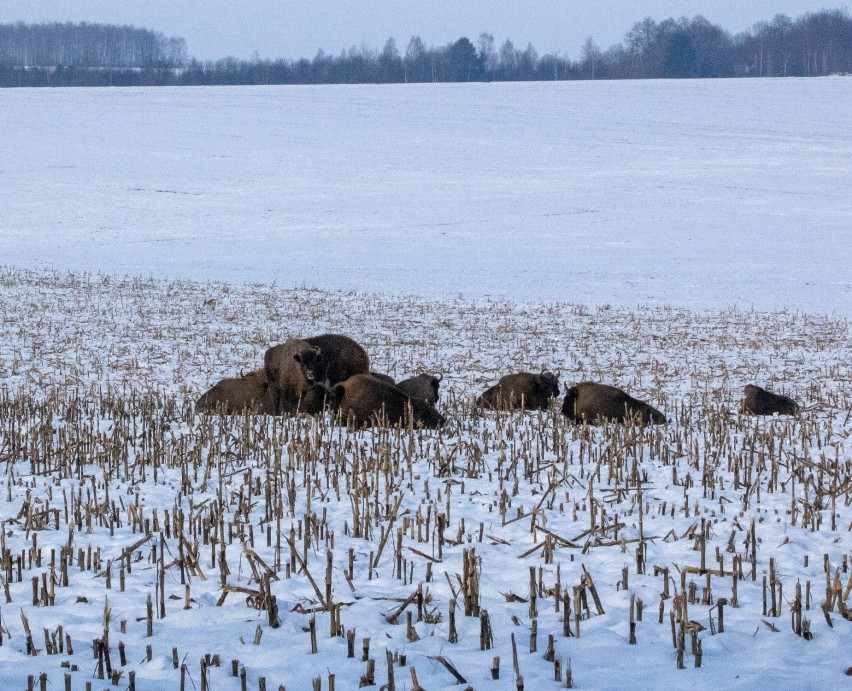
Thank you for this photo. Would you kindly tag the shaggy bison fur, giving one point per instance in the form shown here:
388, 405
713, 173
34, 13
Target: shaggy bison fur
289, 370
521, 390
248, 393
366, 400
593, 403
338, 358
300, 372
423, 386
758, 401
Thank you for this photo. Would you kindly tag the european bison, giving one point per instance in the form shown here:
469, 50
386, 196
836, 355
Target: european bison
290, 371
522, 390
384, 377
248, 393
758, 401
591, 402
301, 371
367, 400
423, 386
338, 358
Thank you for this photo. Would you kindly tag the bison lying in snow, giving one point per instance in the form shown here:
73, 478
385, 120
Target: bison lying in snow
367, 400
423, 386
522, 390
593, 403
289, 371
338, 358
758, 401
248, 393
301, 371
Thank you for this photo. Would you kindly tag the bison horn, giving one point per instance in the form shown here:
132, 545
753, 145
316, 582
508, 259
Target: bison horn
439, 377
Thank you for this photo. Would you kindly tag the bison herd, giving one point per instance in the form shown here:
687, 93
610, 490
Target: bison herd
309, 375
332, 371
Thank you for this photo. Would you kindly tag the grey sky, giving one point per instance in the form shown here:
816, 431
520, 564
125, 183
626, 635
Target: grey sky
278, 28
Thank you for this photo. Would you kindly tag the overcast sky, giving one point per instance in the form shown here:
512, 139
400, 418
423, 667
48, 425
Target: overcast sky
293, 29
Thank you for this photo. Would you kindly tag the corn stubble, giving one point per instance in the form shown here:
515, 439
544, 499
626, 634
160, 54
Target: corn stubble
112, 486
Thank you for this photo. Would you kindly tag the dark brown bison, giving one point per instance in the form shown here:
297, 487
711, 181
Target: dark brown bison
302, 371
289, 370
338, 358
423, 386
522, 390
758, 401
594, 403
248, 393
384, 377
366, 400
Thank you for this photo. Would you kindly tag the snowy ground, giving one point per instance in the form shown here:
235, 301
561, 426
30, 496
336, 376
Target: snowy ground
702, 194
95, 349
678, 239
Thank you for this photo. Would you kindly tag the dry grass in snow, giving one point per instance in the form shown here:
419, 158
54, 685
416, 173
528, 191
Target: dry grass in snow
148, 547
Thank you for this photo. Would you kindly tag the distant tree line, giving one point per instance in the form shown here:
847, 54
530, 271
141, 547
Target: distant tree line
88, 45
815, 44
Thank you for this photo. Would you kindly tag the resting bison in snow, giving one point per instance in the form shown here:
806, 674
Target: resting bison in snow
522, 390
301, 371
423, 386
593, 403
289, 369
758, 401
384, 377
366, 400
248, 393
338, 358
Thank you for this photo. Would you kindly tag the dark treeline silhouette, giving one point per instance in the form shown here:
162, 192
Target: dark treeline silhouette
815, 44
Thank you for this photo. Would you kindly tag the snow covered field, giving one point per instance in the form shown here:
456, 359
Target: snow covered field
677, 239
100, 374
697, 194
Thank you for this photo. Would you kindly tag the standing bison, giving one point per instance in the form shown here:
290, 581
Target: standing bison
423, 386
523, 390
248, 393
758, 401
366, 400
595, 403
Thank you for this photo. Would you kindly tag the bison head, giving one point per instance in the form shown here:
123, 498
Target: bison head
550, 382
309, 360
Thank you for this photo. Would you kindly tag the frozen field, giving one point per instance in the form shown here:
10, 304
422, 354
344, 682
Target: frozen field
677, 239
113, 491
699, 194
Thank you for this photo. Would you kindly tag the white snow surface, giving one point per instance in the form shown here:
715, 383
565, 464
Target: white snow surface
699, 194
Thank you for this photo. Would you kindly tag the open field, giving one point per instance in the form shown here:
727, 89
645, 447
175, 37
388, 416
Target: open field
702, 194
115, 495
677, 239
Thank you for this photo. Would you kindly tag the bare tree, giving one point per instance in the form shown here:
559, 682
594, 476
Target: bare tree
488, 53
591, 54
